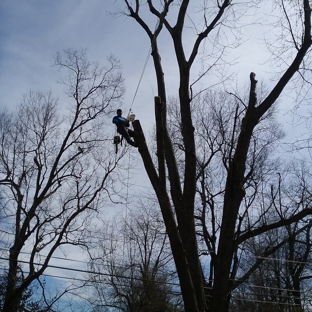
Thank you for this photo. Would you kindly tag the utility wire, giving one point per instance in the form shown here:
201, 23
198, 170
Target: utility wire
284, 260
159, 282
172, 284
134, 278
96, 273
101, 238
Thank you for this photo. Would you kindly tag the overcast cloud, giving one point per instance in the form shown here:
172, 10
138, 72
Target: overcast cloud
32, 32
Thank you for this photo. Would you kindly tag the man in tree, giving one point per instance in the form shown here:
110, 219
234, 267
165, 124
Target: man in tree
122, 125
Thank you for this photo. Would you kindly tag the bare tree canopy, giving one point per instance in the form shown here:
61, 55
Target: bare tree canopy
178, 167
56, 168
133, 269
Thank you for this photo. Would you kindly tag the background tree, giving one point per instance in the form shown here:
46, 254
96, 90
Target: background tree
55, 168
278, 262
27, 302
178, 204
133, 268
217, 117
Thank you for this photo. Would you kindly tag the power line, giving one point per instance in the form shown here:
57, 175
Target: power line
68, 268
53, 257
94, 273
269, 302
128, 277
284, 260
159, 282
168, 283
172, 284
122, 241
124, 267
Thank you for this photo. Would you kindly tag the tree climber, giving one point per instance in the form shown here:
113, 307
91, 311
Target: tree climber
122, 125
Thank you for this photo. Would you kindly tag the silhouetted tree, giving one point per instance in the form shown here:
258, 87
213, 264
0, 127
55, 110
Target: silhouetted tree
55, 168
177, 200
134, 267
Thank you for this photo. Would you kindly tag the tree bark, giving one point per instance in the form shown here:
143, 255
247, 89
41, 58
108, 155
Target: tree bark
176, 243
13, 295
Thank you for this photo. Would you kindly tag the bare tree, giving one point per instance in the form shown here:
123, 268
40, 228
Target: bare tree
56, 169
28, 302
178, 205
277, 263
133, 268
279, 282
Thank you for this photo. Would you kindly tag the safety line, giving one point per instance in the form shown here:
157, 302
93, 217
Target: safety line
142, 73
160, 20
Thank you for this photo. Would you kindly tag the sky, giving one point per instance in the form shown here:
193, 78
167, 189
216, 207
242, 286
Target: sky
33, 31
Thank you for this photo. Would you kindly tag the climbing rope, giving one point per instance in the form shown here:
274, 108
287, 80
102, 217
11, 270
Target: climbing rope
130, 112
142, 74
146, 61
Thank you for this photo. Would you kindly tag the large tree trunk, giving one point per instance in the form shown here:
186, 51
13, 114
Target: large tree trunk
234, 193
174, 233
12, 298
183, 200
12, 301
